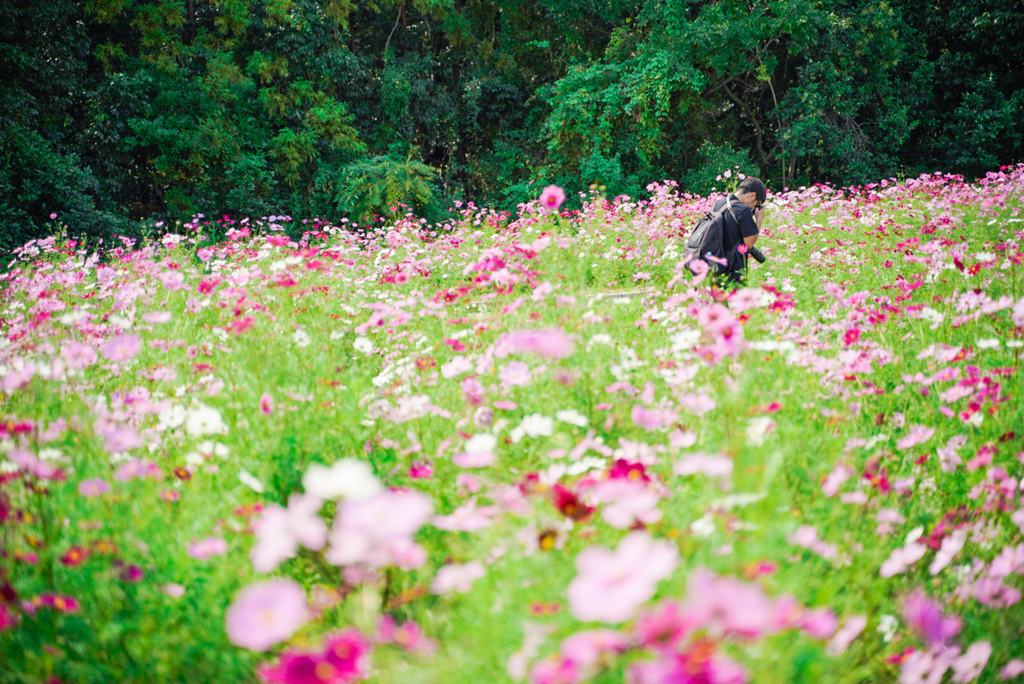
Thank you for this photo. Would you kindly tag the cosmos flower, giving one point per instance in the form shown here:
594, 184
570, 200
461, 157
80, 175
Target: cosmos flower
122, 347
94, 487
266, 613
611, 585
347, 478
207, 548
552, 197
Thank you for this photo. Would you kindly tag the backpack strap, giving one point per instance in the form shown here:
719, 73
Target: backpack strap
728, 205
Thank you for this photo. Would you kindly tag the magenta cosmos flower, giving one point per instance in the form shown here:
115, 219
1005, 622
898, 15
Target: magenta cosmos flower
266, 613
345, 658
552, 197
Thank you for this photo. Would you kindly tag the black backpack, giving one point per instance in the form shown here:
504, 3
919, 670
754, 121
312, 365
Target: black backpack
707, 237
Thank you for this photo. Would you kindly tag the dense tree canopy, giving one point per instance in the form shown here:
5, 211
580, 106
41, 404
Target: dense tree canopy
116, 110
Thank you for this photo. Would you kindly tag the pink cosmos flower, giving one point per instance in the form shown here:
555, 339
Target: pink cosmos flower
514, 374
76, 355
652, 418
348, 654
172, 280
207, 548
296, 667
173, 590
664, 629
555, 672
122, 347
845, 636
552, 197
633, 503
952, 544
611, 585
745, 299
717, 319
280, 531
902, 558
266, 404
478, 451
378, 531
468, 483
820, 624
473, 390
968, 667
917, 435
131, 573
690, 667
421, 471
121, 438
542, 291
7, 618
1018, 313
345, 658
729, 605
457, 577
834, 480
407, 635
137, 467
157, 317
700, 269
586, 648
95, 487
547, 342
466, 518
927, 667
1015, 667
712, 466
266, 613
925, 617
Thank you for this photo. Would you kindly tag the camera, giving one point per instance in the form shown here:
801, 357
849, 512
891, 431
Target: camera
757, 254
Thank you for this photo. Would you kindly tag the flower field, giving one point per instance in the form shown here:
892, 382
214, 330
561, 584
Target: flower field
523, 447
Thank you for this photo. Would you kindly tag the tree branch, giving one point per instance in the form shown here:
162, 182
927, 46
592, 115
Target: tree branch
397, 19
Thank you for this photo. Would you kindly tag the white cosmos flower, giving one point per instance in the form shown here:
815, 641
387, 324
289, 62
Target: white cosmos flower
348, 478
536, 425
573, 417
586, 463
215, 448
481, 444
363, 344
171, 417
204, 420
250, 481
758, 429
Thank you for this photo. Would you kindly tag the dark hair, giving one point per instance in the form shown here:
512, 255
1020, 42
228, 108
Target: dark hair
751, 184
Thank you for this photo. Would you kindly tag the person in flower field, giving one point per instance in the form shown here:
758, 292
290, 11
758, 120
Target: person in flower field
742, 225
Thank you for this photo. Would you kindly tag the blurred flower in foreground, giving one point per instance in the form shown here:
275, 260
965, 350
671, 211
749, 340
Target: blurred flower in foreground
280, 531
611, 585
266, 613
926, 618
345, 658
